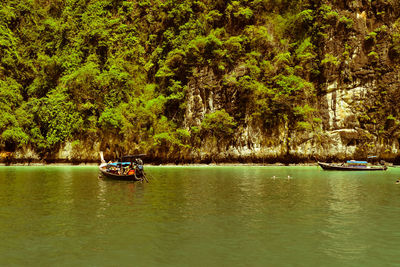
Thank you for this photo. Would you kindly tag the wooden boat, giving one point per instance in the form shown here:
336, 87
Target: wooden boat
129, 168
352, 165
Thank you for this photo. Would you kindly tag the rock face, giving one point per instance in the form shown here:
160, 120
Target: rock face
357, 101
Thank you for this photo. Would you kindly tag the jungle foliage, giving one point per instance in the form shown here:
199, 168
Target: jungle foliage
87, 69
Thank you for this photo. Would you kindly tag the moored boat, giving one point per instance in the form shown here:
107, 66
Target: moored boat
352, 165
128, 168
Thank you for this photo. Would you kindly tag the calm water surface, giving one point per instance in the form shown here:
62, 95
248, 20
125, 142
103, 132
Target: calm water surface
199, 216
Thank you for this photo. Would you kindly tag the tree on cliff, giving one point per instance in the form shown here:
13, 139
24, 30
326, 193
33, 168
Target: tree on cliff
117, 72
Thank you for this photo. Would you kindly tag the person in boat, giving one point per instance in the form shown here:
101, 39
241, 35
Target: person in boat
131, 171
139, 167
112, 169
127, 170
120, 169
398, 182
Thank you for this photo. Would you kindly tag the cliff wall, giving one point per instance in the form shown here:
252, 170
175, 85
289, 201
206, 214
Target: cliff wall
323, 87
356, 96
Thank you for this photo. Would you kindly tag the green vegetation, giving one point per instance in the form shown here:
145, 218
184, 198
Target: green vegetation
330, 59
85, 71
218, 124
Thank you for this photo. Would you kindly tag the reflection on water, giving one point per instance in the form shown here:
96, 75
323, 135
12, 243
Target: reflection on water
346, 220
217, 216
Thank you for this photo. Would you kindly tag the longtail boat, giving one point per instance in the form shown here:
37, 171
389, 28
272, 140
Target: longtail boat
129, 167
352, 165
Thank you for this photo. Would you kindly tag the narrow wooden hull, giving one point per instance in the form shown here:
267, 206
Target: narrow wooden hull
336, 167
116, 176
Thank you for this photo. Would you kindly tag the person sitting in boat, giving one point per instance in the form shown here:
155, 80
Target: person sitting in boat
119, 169
111, 168
131, 169
131, 172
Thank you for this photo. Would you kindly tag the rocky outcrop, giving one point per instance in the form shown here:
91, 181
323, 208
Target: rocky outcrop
356, 101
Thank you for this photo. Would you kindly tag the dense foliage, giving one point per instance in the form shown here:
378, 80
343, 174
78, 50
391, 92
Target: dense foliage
81, 70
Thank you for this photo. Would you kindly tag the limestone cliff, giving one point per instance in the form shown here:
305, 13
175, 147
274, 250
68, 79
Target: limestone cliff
339, 102
357, 96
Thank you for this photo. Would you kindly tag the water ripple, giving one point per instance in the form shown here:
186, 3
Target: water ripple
217, 216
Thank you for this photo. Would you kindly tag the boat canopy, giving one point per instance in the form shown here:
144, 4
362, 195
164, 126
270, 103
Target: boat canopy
118, 163
357, 162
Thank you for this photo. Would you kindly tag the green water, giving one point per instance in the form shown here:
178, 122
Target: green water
199, 216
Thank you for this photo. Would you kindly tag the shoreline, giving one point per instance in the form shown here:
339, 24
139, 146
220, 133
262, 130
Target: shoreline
165, 165
214, 164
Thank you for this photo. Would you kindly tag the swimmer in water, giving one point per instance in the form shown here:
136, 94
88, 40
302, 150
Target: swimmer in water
274, 177
289, 177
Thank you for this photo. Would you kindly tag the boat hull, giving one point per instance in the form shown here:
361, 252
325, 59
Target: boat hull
336, 167
115, 176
